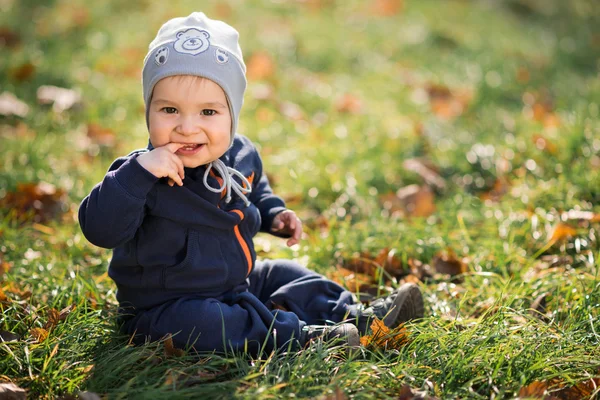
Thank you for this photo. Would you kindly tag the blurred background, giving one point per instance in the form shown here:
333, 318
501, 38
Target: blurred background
416, 139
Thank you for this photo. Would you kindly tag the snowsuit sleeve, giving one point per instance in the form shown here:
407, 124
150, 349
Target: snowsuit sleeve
111, 214
268, 204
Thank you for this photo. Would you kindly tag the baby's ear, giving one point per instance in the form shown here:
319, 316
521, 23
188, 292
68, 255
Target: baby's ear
206, 34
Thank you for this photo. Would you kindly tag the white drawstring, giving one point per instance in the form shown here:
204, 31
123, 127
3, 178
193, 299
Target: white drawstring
228, 182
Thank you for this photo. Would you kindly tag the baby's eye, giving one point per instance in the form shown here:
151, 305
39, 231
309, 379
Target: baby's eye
169, 110
208, 112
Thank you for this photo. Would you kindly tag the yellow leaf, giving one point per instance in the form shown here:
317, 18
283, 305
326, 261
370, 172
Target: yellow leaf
39, 334
562, 231
384, 337
170, 349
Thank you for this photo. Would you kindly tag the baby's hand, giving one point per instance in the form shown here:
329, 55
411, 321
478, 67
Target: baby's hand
162, 162
287, 223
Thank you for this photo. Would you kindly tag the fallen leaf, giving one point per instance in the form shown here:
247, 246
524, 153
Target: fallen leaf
383, 337
61, 99
426, 170
4, 267
355, 282
40, 200
3, 298
534, 390
448, 263
523, 75
10, 391
12, 287
170, 349
582, 390
11, 105
411, 200
6, 336
39, 334
349, 103
9, 38
447, 103
23, 72
100, 135
500, 188
387, 8
260, 66
53, 318
562, 231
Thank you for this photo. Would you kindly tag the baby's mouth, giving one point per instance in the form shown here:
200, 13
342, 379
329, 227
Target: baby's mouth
190, 148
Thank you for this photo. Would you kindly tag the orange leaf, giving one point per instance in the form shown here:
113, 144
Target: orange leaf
349, 103
100, 135
535, 389
388, 8
170, 349
23, 72
448, 263
260, 66
384, 337
42, 200
39, 334
562, 231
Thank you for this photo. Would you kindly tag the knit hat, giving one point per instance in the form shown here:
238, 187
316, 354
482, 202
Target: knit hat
200, 46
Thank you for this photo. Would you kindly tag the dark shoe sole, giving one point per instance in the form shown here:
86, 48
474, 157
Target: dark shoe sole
408, 305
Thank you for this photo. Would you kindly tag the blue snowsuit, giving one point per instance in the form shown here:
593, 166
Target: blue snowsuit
184, 262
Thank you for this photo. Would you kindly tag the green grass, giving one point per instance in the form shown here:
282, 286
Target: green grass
478, 339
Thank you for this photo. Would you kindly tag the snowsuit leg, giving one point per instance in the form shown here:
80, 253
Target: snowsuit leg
209, 324
310, 296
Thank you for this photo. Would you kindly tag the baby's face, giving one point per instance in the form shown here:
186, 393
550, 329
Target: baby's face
192, 111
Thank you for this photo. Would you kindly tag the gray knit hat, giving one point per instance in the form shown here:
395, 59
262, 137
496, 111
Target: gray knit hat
198, 45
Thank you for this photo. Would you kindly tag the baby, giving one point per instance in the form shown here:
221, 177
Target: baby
180, 216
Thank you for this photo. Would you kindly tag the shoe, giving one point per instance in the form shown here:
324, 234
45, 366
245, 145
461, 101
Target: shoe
404, 304
345, 334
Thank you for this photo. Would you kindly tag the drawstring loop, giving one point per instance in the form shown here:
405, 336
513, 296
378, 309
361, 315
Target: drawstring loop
229, 183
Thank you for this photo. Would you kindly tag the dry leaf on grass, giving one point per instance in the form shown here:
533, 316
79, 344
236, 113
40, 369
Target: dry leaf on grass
11, 391
349, 103
39, 334
260, 65
448, 263
9, 38
170, 349
41, 200
382, 337
411, 200
448, 103
6, 336
100, 135
23, 72
388, 8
